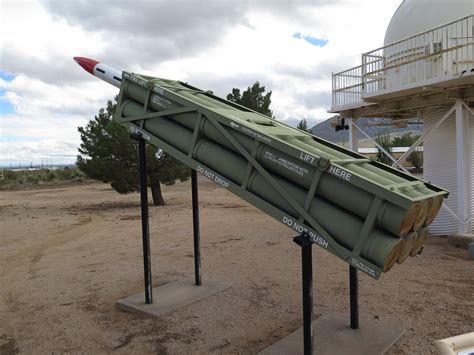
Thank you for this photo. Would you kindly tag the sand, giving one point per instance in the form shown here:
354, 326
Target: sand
67, 254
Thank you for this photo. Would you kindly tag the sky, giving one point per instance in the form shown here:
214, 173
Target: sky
290, 47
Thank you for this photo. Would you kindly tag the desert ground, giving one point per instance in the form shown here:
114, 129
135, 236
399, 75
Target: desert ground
67, 254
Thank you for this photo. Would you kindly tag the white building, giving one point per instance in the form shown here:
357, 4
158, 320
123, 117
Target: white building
425, 70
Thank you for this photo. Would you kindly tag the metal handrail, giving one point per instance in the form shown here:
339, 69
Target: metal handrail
448, 47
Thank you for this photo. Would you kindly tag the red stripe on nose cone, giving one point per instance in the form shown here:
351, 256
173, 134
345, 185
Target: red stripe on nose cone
86, 63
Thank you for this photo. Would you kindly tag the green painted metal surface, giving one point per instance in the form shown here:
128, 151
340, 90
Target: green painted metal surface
357, 209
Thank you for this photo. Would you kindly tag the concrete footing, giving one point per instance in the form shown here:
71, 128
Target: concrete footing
169, 297
470, 251
461, 240
333, 335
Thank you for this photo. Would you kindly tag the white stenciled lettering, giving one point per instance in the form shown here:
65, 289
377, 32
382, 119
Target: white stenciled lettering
315, 238
136, 130
363, 267
160, 101
211, 176
285, 163
287, 221
255, 134
340, 173
306, 157
319, 240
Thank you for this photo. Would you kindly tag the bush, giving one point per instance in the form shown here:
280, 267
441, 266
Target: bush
416, 159
386, 143
13, 178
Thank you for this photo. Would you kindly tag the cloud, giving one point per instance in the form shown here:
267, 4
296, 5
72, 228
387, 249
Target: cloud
48, 151
150, 31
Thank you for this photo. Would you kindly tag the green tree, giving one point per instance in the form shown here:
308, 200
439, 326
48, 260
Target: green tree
406, 140
109, 154
303, 125
254, 98
385, 142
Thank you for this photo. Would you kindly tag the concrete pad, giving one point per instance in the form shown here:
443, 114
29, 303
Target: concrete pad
461, 240
470, 251
169, 297
333, 335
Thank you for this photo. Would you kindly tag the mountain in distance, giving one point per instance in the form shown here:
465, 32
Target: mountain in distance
326, 131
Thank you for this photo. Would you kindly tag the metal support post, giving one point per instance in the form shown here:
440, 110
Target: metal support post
353, 283
462, 158
354, 294
197, 236
353, 135
145, 224
307, 273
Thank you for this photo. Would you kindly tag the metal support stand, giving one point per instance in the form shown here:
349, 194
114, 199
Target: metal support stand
145, 224
307, 276
354, 294
197, 237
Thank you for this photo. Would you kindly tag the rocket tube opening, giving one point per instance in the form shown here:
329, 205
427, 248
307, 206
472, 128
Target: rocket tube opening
409, 220
421, 239
437, 203
430, 202
407, 246
423, 213
393, 256
382, 249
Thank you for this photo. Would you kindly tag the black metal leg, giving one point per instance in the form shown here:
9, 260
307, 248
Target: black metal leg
307, 273
145, 225
197, 237
353, 284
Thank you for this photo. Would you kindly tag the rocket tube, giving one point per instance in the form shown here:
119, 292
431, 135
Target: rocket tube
395, 220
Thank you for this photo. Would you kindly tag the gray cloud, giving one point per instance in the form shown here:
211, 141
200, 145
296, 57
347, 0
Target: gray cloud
319, 71
221, 86
61, 70
315, 99
151, 31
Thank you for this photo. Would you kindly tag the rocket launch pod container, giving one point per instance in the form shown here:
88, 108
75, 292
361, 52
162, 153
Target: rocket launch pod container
357, 209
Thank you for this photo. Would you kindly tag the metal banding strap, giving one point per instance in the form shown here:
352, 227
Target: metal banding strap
196, 134
248, 171
145, 105
368, 226
323, 165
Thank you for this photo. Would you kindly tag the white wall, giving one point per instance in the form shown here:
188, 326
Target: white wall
440, 166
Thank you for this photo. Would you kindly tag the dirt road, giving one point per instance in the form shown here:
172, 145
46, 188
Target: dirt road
68, 254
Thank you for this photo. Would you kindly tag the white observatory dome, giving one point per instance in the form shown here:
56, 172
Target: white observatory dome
415, 16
